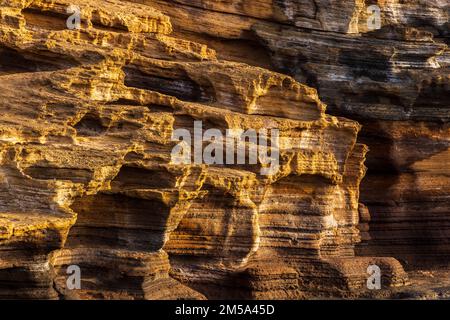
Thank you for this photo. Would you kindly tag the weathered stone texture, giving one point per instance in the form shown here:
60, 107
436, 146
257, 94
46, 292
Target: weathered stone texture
394, 81
87, 117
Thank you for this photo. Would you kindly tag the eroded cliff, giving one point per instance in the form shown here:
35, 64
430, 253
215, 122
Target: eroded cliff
394, 80
87, 176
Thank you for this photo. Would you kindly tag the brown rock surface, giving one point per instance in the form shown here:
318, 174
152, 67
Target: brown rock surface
394, 81
86, 124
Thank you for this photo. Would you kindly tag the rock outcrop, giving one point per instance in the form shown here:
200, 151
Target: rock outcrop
89, 121
393, 80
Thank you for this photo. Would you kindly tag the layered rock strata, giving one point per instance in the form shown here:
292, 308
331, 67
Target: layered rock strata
393, 80
87, 176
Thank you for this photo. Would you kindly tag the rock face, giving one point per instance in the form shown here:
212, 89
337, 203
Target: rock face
394, 81
90, 118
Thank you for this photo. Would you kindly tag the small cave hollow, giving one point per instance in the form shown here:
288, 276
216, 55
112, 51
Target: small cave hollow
90, 125
13, 61
139, 178
182, 88
116, 221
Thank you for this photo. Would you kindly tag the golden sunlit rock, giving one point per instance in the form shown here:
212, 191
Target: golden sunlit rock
87, 124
